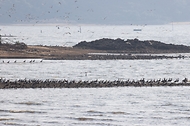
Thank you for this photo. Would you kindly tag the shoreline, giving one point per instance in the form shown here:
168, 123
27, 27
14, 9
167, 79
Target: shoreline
24, 84
69, 53
125, 50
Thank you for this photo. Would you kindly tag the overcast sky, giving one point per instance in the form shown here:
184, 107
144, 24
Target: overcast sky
116, 12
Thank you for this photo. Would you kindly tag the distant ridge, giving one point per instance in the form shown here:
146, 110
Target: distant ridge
131, 45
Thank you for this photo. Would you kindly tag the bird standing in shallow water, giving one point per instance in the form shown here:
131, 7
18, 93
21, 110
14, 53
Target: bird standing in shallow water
86, 73
185, 80
177, 80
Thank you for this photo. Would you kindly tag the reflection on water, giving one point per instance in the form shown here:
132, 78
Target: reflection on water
102, 106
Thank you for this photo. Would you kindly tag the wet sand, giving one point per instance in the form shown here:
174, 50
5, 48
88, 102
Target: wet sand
43, 52
70, 53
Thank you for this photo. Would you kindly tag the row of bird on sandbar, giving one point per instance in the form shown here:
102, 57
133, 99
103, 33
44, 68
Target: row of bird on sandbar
25, 61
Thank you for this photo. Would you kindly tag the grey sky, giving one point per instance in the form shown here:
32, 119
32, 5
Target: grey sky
117, 12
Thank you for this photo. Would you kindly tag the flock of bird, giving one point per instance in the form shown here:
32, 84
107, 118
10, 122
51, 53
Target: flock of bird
54, 11
25, 61
25, 83
57, 10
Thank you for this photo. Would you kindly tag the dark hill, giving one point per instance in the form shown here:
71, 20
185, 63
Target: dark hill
132, 45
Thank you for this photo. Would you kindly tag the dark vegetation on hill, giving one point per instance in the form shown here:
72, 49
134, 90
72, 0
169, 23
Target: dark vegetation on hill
102, 49
131, 45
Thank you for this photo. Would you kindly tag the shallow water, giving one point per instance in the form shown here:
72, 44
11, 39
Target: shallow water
104, 106
146, 106
95, 70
